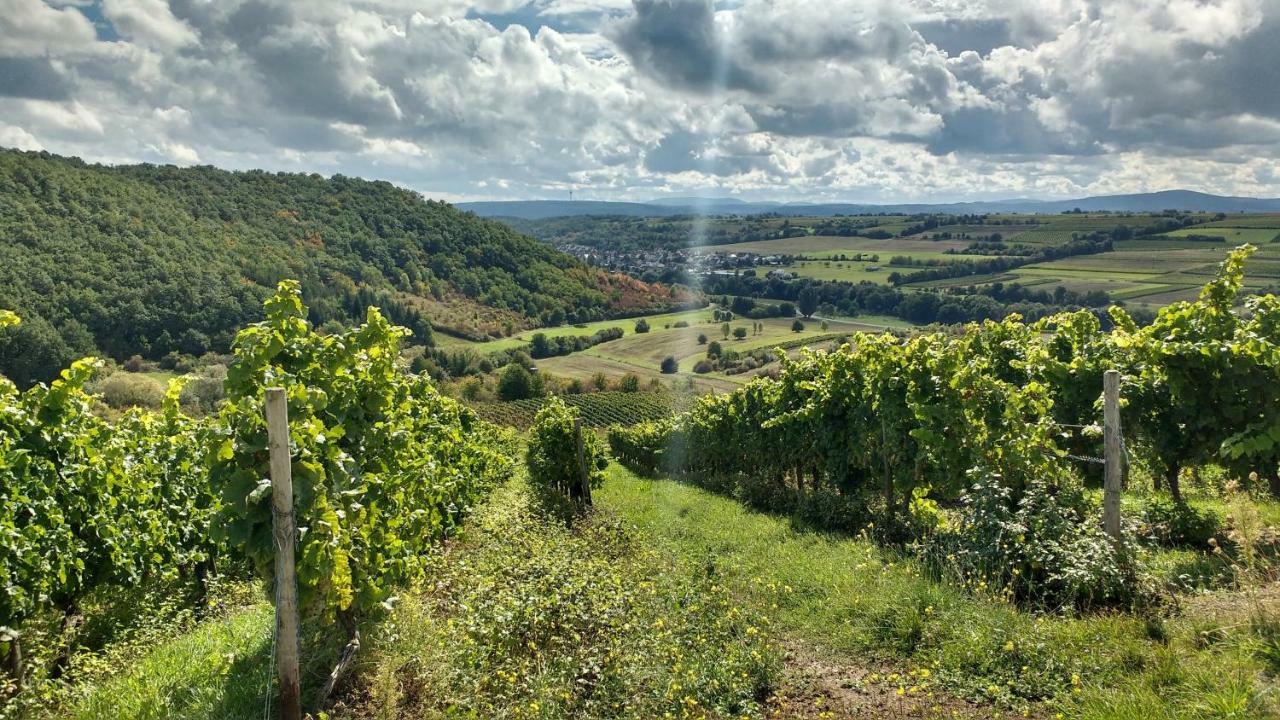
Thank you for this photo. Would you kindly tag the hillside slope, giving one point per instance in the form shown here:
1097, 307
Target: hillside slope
148, 260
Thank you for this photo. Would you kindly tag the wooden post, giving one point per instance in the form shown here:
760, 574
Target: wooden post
584, 473
1114, 454
15, 656
284, 532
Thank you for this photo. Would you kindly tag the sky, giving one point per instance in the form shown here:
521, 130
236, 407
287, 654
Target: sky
795, 100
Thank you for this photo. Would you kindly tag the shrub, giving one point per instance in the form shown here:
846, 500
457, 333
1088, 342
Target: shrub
714, 349
1042, 546
702, 339
681, 324
670, 365
1177, 524
797, 326
516, 383
629, 383
703, 366
740, 332
121, 390
642, 326
556, 471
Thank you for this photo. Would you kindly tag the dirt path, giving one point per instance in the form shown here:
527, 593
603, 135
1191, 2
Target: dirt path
818, 686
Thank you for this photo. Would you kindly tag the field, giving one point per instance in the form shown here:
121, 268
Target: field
599, 409
641, 354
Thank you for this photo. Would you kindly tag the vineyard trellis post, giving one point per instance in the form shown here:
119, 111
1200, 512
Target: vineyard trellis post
284, 533
1114, 453
584, 473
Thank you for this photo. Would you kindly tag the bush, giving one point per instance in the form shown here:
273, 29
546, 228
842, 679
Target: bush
714, 349
1043, 546
516, 383
703, 366
123, 390
1179, 525
642, 326
556, 471
702, 339
797, 326
681, 324
740, 332
670, 365
629, 383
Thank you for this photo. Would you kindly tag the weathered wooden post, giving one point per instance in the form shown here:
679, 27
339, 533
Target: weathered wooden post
1114, 458
584, 473
15, 655
284, 533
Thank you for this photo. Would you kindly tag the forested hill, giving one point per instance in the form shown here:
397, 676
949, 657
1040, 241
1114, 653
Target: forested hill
149, 260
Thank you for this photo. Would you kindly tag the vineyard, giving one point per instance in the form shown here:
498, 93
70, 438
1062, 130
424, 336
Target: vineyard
570, 614
383, 467
598, 409
866, 437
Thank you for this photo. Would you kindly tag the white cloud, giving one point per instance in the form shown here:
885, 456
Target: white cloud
818, 99
16, 137
30, 27
149, 23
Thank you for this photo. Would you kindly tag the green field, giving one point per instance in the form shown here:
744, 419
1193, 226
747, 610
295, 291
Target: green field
642, 354
1232, 235
820, 246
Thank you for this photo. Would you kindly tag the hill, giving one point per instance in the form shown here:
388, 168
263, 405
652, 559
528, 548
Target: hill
1141, 202
154, 259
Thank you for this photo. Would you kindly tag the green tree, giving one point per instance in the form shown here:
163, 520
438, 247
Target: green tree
808, 301
740, 332
670, 365
516, 383
797, 326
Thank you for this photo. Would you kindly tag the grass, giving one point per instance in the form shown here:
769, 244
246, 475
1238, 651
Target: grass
857, 600
1233, 236
218, 671
642, 354
529, 618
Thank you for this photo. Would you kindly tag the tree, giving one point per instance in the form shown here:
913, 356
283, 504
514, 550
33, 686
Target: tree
725, 329
642, 326
714, 349
808, 301
670, 365
516, 383
797, 326
539, 347
740, 332
702, 339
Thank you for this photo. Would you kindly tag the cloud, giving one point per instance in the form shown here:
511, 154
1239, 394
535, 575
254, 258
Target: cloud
31, 28
794, 99
16, 137
149, 23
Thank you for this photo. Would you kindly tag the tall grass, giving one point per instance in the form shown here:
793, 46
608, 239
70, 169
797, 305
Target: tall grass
853, 598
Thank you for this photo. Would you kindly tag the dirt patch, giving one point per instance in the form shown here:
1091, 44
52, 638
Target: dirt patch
820, 687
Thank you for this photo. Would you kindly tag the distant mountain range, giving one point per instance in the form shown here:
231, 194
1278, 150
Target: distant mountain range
1141, 202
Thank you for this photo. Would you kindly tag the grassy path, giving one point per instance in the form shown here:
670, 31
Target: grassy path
846, 598
652, 605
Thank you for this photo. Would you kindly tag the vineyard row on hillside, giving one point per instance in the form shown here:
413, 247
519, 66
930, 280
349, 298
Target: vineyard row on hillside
890, 434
